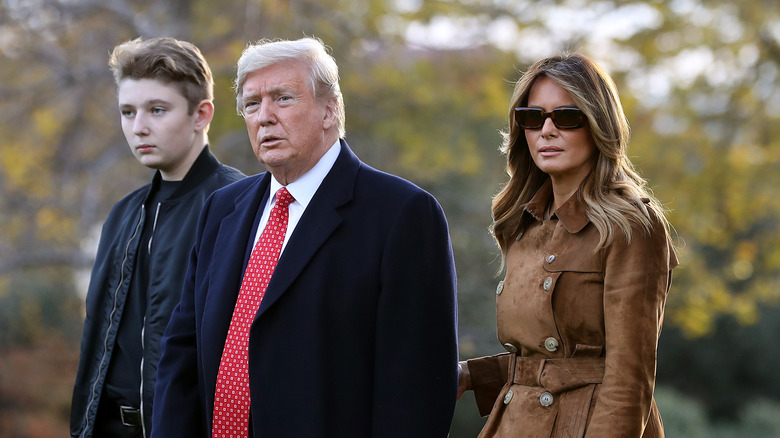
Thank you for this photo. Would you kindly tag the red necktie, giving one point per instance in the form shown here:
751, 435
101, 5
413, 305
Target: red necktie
231, 400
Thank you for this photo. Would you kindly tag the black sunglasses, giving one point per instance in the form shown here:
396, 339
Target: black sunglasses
563, 118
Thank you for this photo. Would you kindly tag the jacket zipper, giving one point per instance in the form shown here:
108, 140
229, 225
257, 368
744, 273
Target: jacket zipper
143, 327
143, 423
154, 227
111, 321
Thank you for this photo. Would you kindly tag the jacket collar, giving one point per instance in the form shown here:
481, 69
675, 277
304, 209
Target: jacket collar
204, 165
571, 214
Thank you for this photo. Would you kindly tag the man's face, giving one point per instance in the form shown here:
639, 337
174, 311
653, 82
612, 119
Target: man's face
157, 126
289, 128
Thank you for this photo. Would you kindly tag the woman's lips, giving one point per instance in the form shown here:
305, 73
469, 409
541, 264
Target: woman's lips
549, 151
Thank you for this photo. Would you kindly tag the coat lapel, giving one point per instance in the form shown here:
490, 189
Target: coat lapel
233, 243
231, 248
318, 222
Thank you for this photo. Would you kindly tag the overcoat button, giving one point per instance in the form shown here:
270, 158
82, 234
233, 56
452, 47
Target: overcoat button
550, 258
546, 399
508, 397
547, 283
510, 348
500, 287
551, 344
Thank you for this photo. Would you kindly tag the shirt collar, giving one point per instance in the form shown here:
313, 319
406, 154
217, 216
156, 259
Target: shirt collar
304, 188
572, 213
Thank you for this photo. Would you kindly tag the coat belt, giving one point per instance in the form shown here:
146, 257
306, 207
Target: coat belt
571, 381
556, 375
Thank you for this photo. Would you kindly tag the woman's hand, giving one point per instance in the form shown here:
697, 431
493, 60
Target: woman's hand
464, 378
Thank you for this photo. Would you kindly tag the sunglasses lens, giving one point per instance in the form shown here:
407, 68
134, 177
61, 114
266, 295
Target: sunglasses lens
529, 118
564, 118
567, 118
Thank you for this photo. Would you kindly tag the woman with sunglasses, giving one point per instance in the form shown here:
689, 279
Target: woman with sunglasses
588, 260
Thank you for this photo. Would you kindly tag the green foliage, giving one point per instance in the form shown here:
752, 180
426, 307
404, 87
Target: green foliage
431, 113
725, 369
33, 305
711, 150
682, 416
685, 417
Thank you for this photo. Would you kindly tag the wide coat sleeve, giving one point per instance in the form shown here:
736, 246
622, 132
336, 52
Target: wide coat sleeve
488, 375
637, 276
416, 376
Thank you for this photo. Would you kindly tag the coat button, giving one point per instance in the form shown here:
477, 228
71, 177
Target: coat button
510, 348
551, 344
508, 397
550, 258
546, 399
500, 287
547, 283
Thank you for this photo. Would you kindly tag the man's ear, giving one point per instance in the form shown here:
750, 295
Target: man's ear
204, 112
330, 119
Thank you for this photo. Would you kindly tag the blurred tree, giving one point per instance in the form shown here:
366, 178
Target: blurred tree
685, 417
727, 368
426, 88
718, 121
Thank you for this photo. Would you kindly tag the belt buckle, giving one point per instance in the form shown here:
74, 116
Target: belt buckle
130, 416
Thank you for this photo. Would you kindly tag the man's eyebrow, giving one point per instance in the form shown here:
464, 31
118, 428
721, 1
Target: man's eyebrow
281, 89
252, 95
274, 90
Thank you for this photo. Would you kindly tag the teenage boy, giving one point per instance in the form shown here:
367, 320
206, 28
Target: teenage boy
165, 93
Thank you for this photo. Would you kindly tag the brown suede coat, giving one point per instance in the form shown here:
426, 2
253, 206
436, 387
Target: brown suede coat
585, 328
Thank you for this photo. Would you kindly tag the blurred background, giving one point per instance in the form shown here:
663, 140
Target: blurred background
427, 87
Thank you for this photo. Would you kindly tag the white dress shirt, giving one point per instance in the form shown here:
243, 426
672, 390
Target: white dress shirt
302, 189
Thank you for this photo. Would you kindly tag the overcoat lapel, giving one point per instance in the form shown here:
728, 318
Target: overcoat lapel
233, 243
231, 248
318, 222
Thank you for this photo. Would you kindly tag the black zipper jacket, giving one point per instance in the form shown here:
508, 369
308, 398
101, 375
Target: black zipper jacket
172, 240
